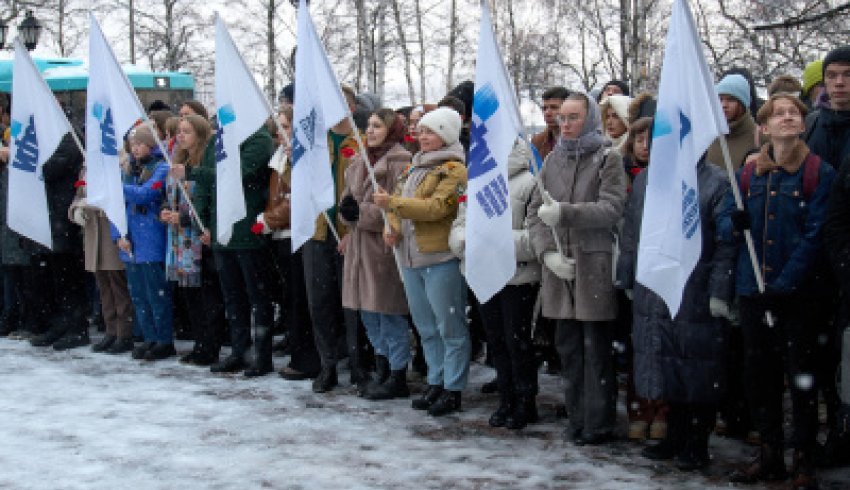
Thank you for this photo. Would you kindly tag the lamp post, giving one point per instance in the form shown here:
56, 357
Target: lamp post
29, 30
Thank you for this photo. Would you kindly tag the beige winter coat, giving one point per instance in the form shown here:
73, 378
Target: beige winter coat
592, 195
370, 276
100, 251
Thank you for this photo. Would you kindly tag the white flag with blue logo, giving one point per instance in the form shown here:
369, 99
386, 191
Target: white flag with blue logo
490, 254
112, 109
38, 126
319, 105
241, 110
688, 119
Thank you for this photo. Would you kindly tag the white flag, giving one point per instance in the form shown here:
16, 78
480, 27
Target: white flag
490, 254
688, 119
112, 109
242, 109
38, 126
319, 105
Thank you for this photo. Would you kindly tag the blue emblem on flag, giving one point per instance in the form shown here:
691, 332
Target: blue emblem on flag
26, 147
493, 198
690, 211
108, 142
308, 126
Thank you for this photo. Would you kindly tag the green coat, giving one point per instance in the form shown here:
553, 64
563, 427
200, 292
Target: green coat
256, 151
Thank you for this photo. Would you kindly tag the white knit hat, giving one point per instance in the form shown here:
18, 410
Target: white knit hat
620, 104
445, 122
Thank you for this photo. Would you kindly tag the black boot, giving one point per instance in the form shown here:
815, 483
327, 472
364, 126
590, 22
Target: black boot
120, 346
262, 353
160, 351
326, 380
105, 343
394, 387
382, 369
448, 402
230, 364
768, 466
804, 471
491, 386
49, 337
428, 397
72, 339
694, 456
501, 415
525, 412
140, 350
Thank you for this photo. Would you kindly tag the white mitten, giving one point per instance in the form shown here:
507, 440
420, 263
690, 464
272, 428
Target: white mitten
719, 308
261, 218
630, 293
79, 216
550, 211
561, 266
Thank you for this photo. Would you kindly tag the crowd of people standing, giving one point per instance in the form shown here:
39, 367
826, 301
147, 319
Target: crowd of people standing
381, 282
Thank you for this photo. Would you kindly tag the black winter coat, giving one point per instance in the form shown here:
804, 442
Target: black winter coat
836, 228
681, 360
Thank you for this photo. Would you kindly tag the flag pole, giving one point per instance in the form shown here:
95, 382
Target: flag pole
748, 236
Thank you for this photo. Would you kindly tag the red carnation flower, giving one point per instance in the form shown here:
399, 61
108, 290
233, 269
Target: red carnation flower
156, 185
347, 152
408, 139
462, 198
257, 228
79, 183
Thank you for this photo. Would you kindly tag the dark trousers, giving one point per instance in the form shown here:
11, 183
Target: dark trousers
304, 356
245, 278
588, 367
205, 308
13, 299
771, 354
689, 427
115, 302
507, 320
323, 278
54, 291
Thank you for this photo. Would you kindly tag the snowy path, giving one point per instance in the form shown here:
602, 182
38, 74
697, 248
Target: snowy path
89, 421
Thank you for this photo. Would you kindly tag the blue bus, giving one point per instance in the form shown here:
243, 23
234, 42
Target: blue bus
68, 79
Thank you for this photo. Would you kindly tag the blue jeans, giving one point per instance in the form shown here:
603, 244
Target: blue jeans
389, 336
436, 295
151, 295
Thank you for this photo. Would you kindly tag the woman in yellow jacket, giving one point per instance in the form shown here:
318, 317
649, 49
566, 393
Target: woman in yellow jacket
421, 212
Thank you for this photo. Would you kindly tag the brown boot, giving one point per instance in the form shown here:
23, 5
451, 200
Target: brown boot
804, 471
768, 466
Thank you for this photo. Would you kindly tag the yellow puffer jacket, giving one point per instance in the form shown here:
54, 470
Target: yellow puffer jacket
433, 207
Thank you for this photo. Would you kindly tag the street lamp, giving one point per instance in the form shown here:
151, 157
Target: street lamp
4, 28
30, 31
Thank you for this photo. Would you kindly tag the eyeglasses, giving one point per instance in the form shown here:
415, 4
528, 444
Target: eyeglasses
569, 118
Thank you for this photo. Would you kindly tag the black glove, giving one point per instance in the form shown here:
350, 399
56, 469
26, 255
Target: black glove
349, 209
741, 220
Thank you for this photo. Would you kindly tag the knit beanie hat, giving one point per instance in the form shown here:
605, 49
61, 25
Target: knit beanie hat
620, 104
624, 88
142, 134
736, 86
812, 75
445, 122
837, 55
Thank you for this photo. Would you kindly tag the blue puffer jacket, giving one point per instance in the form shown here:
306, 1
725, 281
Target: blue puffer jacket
143, 194
786, 228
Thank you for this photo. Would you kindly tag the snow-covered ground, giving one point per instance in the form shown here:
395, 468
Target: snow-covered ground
79, 420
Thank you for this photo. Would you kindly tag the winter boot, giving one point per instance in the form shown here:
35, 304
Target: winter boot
230, 364
491, 386
142, 349
105, 343
160, 351
428, 397
382, 369
694, 456
72, 339
448, 402
121, 346
49, 337
501, 415
768, 466
524, 413
394, 387
326, 380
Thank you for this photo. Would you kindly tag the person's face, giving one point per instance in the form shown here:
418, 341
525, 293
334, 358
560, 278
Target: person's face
186, 136
139, 150
612, 90
550, 112
785, 122
413, 123
185, 110
836, 78
732, 107
376, 132
614, 126
287, 129
641, 148
429, 140
571, 119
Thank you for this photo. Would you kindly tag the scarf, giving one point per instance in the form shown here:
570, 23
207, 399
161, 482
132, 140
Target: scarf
791, 163
394, 135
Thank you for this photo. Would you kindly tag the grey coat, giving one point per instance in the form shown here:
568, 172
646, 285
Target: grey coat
591, 191
681, 360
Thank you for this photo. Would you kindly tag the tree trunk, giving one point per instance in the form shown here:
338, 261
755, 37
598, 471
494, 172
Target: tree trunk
452, 42
405, 51
421, 34
272, 49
